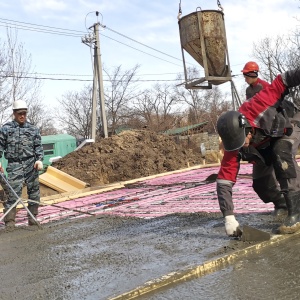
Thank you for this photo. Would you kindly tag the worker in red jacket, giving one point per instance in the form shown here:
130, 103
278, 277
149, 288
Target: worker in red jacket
262, 132
264, 180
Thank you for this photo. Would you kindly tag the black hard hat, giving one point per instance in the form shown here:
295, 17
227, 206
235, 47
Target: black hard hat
231, 128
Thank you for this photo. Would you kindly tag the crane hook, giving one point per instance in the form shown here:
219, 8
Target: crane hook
179, 11
219, 5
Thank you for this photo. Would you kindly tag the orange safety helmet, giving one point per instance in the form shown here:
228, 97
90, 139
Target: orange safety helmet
250, 66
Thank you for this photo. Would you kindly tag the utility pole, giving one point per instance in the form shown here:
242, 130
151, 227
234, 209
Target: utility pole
93, 39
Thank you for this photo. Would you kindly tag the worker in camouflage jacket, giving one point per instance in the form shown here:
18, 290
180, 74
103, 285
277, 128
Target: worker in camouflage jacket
20, 142
262, 131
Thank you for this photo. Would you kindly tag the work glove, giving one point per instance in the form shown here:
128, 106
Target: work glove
232, 226
38, 165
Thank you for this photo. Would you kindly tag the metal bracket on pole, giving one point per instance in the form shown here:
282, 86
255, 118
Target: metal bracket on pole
6, 185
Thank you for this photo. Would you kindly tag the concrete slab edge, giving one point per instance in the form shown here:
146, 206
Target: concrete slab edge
198, 271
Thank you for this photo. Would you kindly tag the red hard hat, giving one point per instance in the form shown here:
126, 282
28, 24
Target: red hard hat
250, 66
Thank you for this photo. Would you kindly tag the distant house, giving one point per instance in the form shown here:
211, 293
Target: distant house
195, 136
121, 129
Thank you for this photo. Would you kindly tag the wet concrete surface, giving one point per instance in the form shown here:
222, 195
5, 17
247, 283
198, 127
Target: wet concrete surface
273, 273
107, 256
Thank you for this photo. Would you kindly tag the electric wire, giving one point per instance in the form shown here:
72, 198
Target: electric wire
60, 74
77, 33
39, 30
37, 25
127, 37
142, 51
60, 31
87, 80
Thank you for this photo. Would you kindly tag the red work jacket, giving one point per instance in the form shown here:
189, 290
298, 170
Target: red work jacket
259, 111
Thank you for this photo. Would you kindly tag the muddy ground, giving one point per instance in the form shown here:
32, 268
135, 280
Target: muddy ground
103, 257
129, 155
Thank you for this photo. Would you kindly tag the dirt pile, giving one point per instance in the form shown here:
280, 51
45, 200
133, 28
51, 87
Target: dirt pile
129, 155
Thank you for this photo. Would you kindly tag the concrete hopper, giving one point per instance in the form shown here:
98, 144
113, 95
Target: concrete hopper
203, 36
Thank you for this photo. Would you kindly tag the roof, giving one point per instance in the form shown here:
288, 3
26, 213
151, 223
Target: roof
121, 129
185, 129
57, 137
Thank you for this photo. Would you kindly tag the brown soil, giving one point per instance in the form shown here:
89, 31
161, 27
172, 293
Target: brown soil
129, 155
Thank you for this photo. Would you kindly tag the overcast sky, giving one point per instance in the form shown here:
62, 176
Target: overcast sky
130, 27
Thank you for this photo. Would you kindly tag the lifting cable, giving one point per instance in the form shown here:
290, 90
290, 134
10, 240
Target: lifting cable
219, 5
180, 11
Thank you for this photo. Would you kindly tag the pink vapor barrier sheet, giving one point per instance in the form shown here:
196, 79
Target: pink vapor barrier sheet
184, 192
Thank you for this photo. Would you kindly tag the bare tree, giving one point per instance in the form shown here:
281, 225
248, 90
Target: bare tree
193, 98
202, 104
157, 108
217, 104
42, 118
275, 56
75, 111
120, 90
5, 102
15, 83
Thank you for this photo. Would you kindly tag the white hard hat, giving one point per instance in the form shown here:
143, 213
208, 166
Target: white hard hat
19, 104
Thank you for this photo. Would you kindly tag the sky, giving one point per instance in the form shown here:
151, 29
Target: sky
137, 32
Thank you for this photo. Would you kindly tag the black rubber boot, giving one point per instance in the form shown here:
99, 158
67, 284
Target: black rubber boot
34, 210
291, 78
292, 222
280, 207
10, 218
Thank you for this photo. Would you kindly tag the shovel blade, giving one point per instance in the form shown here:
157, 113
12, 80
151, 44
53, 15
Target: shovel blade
251, 234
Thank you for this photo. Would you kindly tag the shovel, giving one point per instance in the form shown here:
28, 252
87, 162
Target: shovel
250, 234
6, 187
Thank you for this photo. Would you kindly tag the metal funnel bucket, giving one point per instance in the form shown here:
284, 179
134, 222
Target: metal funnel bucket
203, 36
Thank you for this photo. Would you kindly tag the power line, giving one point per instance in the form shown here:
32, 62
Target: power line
141, 51
87, 80
28, 28
68, 32
121, 75
77, 33
37, 25
140, 43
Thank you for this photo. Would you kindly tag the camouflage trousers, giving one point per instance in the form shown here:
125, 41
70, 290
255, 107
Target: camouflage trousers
18, 174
